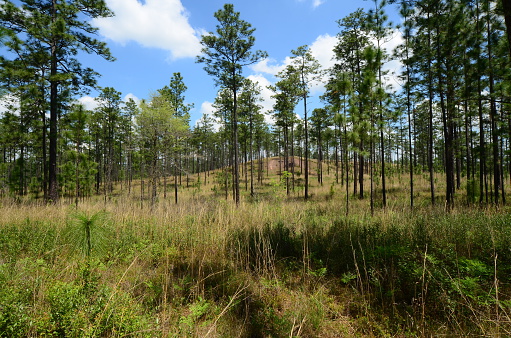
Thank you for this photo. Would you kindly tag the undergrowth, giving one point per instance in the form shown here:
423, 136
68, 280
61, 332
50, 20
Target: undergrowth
269, 268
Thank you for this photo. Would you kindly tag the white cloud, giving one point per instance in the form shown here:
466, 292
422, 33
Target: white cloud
9, 103
159, 24
92, 103
323, 50
317, 3
394, 67
208, 110
270, 66
131, 96
89, 102
266, 95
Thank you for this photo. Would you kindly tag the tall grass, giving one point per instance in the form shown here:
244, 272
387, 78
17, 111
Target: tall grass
274, 266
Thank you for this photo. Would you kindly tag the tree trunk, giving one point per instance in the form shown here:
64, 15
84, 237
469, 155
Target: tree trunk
306, 148
175, 184
53, 188
45, 159
493, 120
251, 160
430, 145
361, 171
236, 151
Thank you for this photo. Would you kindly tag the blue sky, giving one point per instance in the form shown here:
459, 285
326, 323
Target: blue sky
152, 39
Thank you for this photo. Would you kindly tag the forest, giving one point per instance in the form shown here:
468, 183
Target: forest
381, 213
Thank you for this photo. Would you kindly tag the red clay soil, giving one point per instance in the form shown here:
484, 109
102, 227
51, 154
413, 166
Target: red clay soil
275, 164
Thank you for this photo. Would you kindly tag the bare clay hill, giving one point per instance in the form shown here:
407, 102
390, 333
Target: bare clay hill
277, 164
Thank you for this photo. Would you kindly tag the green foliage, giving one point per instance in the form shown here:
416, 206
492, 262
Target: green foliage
78, 170
78, 309
278, 313
472, 188
66, 303
224, 181
41, 68
88, 233
197, 310
161, 133
412, 265
228, 51
30, 238
174, 94
331, 192
14, 310
284, 177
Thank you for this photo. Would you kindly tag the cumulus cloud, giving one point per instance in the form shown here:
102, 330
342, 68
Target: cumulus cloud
270, 66
159, 24
207, 109
323, 50
131, 96
89, 102
266, 95
394, 67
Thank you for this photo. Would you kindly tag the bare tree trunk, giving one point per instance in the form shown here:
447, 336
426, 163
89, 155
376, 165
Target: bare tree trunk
361, 171
53, 187
306, 148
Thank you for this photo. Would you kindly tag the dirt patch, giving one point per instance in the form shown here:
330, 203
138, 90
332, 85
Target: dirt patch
276, 164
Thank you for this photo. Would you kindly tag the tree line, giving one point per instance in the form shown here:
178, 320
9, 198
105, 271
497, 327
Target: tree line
450, 114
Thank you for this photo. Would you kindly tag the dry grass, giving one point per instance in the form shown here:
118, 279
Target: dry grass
205, 267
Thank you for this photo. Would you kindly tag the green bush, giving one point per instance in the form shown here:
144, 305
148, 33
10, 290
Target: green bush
15, 312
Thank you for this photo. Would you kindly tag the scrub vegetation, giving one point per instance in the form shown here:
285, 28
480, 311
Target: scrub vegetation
274, 266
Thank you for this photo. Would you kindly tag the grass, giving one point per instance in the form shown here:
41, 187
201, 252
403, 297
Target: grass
276, 266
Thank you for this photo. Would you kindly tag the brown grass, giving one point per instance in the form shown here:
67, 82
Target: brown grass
177, 258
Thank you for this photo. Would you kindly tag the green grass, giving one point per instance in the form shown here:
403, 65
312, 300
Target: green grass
276, 266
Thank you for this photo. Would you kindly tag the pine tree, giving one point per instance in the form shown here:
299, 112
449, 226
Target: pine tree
250, 115
353, 40
377, 24
225, 54
286, 98
55, 31
174, 95
308, 72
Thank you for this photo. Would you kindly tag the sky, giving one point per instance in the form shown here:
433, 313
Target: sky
152, 39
